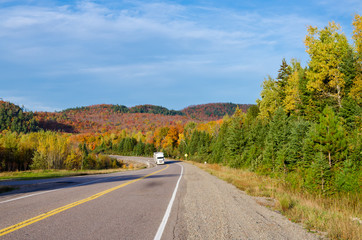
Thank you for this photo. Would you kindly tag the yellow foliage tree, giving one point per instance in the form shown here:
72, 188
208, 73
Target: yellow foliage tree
292, 92
327, 48
52, 149
270, 99
356, 90
292, 97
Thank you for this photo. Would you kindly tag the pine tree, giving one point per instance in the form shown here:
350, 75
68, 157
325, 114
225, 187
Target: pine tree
330, 138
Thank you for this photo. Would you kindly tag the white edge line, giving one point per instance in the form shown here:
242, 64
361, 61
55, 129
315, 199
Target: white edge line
162, 226
35, 194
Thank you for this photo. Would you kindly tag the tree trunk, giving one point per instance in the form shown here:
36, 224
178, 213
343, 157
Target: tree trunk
339, 98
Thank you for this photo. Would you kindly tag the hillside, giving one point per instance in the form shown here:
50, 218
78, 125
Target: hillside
113, 118
15, 119
147, 108
213, 111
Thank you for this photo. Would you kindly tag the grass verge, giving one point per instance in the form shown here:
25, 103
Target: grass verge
339, 217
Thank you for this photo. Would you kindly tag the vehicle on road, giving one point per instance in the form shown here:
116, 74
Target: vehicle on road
159, 158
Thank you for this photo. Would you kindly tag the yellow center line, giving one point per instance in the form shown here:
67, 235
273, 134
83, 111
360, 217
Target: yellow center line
61, 209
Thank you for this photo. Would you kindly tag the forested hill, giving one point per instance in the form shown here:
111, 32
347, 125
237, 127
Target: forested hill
213, 111
13, 118
109, 108
107, 117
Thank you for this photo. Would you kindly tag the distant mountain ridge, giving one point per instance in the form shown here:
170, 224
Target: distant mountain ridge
203, 112
147, 108
112, 118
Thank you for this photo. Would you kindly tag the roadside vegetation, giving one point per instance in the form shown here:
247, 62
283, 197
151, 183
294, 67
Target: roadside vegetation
337, 217
301, 144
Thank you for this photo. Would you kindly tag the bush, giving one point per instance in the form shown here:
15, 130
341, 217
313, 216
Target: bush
73, 161
39, 161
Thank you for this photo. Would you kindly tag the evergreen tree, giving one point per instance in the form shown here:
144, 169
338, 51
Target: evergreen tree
256, 144
139, 149
319, 177
330, 138
283, 74
276, 138
351, 113
128, 146
193, 144
218, 154
235, 141
348, 179
294, 151
149, 149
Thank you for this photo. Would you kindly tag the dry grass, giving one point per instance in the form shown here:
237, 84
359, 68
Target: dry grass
338, 217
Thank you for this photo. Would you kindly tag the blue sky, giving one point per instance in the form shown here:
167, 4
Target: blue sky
60, 54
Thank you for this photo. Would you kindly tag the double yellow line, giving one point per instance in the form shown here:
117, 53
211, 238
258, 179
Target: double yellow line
61, 209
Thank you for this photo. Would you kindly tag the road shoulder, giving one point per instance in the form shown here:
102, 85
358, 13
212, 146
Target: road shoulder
213, 209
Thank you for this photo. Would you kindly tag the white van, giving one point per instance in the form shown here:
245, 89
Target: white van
159, 158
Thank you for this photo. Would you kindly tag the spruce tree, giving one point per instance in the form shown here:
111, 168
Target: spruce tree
218, 154
294, 151
235, 141
283, 74
276, 138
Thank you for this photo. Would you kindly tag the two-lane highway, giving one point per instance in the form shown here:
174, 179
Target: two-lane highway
139, 205
127, 205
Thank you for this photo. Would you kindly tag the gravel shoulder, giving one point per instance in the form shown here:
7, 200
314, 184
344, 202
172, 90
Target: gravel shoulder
213, 209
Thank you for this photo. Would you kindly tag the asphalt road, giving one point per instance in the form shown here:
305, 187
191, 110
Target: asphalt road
126, 205
139, 205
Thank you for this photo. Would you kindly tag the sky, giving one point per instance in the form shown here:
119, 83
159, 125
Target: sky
61, 54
